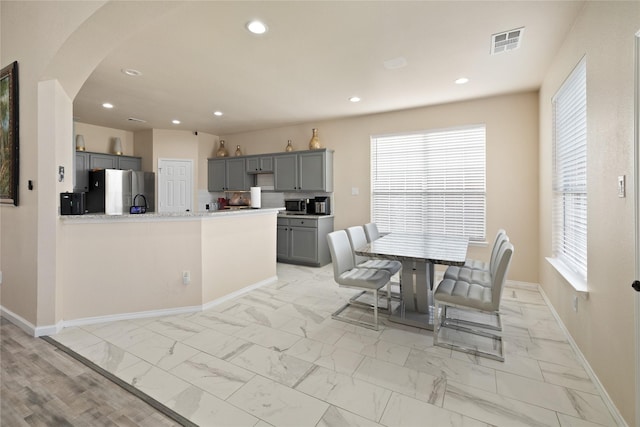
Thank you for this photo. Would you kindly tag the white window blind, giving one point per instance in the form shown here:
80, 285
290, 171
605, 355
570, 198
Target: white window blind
430, 182
570, 172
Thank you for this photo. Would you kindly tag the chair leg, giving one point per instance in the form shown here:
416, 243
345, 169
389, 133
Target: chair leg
451, 321
375, 308
353, 302
441, 322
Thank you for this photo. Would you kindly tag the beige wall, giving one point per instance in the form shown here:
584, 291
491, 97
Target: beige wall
603, 326
512, 167
99, 139
207, 145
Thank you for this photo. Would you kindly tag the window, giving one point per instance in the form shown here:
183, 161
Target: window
430, 182
570, 173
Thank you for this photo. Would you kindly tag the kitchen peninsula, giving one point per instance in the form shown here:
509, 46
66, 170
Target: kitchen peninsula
118, 266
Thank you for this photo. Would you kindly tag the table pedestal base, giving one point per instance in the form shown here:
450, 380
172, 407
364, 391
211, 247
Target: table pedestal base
417, 307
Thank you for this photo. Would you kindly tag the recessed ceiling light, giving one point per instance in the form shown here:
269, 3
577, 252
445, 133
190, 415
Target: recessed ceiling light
131, 72
218, 113
107, 105
257, 27
175, 121
462, 80
354, 99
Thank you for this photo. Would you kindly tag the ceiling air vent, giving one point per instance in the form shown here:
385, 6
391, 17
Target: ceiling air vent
506, 41
133, 119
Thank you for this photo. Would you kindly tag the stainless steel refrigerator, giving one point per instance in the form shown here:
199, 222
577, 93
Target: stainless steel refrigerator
112, 191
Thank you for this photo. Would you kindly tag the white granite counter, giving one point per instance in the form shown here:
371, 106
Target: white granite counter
164, 216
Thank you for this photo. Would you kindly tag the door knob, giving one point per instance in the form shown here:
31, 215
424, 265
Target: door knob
636, 285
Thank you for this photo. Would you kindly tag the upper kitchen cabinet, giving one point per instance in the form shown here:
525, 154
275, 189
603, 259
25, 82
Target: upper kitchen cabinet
82, 172
259, 164
304, 171
228, 175
129, 163
102, 161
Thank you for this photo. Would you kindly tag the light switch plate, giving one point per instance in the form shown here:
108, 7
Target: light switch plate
621, 186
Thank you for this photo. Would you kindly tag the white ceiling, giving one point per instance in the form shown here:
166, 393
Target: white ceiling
200, 58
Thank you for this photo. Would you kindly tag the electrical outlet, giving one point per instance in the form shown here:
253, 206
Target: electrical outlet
186, 277
355, 191
575, 303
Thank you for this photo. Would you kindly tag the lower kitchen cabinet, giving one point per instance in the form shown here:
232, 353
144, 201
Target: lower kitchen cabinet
304, 240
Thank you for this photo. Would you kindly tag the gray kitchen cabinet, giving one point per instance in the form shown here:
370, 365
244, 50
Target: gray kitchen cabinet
228, 175
102, 161
285, 170
129, 163
316, 170
259, 164
304, 240
304, 171
81, 172
216, 174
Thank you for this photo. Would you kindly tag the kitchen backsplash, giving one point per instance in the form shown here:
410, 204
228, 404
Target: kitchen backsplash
270, 199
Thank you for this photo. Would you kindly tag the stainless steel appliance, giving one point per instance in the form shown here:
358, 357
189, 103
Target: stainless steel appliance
112, 191
296, 206
322, 205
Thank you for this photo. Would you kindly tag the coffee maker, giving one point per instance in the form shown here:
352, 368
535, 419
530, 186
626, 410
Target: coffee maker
322, 205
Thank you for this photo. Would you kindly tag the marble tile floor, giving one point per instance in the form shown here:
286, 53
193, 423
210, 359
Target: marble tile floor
274, 357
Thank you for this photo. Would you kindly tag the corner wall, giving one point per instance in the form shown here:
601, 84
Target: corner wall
603, 326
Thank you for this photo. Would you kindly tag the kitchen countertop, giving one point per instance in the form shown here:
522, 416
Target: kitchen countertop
289, 215
164, 216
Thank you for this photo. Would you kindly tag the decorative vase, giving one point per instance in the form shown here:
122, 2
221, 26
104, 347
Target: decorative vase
238, 152
314, 143
117, 146
289, 147
222, 151
80, 143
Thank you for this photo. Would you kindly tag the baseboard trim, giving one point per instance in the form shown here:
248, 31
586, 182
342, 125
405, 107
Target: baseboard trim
28, 327
522, 285
617, 416
235, 294
40, 331
168, 311
130, 316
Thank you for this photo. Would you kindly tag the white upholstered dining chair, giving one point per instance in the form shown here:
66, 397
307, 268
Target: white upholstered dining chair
346, 274
468, 296
371, 231
478, 271
357, 239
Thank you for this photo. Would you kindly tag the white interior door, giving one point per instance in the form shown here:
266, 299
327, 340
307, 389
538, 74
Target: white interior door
175, 185
636, 186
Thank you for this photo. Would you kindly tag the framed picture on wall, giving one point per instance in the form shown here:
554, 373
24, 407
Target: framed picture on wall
9, 137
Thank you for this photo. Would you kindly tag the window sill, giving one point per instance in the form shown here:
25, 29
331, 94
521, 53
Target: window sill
578, 283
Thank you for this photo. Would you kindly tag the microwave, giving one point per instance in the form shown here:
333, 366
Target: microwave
295, 206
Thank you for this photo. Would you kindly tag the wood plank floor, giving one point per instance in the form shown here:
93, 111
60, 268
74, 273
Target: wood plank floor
43, 386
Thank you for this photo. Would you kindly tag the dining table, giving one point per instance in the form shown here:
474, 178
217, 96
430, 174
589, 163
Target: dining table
418, 252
